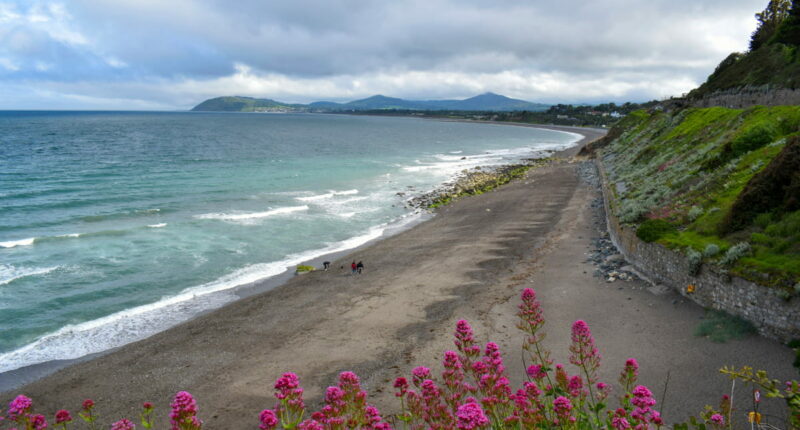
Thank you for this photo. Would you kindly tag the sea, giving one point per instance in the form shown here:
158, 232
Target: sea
117, 225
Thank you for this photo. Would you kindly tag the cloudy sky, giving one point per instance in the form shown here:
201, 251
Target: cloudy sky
155, 54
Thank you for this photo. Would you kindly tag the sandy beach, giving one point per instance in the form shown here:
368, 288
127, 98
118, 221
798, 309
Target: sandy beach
470, 261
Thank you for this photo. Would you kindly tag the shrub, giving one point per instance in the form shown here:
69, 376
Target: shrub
304, 268
763, 220
734, 253
775, 188
753, 138
711, 250
632, 211
654, 229
695, 260
694, 213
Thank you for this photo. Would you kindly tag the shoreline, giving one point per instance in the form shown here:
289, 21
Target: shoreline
14, 379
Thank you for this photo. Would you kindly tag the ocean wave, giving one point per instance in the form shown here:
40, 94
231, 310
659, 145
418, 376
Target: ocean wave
9, 274
251, 215
326, 195
122, 214
159, 225
78, 340
14, 243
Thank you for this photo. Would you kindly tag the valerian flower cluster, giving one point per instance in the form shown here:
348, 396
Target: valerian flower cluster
473, 392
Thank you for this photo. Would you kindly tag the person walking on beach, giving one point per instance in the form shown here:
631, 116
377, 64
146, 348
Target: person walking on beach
354, 267
326, 265
360, 267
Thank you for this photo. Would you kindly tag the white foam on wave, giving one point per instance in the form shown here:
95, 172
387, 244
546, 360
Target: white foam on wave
252, 215
70, 235
131, 325
9, 274
159, 225
327, 195
14, 243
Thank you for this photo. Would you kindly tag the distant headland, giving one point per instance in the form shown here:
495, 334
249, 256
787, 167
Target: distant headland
483, 102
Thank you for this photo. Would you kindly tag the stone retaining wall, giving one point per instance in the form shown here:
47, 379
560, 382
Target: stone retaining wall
772, 315
739, 98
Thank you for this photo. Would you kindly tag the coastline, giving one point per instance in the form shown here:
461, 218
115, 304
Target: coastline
16, 378
470, 262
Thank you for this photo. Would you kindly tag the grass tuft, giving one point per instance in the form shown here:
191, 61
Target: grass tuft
720, 327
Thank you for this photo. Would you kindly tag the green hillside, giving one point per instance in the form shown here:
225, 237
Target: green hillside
722, 185
773, 59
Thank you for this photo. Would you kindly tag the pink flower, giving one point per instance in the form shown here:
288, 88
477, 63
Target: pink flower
584, 353
451, 360
286, 384
290, 394
470, 416
147, 405
420, 374
575, 386
348, 379
88, 404
402, 385
642, 397
38, 422
717, 419
536, 372
620, 423
655, 418
465, 341
63, 416
429, 389
18, 407
184, 410
123, 424
310, 425
562, 406
268, 419
530, 315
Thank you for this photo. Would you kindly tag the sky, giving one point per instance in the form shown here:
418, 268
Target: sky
171, 55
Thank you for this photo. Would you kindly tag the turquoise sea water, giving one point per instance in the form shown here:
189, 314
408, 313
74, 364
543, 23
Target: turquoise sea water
116, 225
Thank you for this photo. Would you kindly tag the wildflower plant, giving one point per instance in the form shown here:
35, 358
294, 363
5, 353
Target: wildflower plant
473, 392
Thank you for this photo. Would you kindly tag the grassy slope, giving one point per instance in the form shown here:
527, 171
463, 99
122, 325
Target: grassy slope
681, 167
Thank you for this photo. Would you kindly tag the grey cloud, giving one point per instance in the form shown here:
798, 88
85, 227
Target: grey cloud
157, 43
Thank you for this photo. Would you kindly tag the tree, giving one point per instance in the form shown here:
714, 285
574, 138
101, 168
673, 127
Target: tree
768, 21
789, 31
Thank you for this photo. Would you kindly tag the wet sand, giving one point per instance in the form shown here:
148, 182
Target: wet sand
470, 261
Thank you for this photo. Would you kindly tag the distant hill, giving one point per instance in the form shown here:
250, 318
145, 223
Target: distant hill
243, 104
483, 102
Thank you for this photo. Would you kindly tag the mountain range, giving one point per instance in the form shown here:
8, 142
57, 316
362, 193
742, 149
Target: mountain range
483, 102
